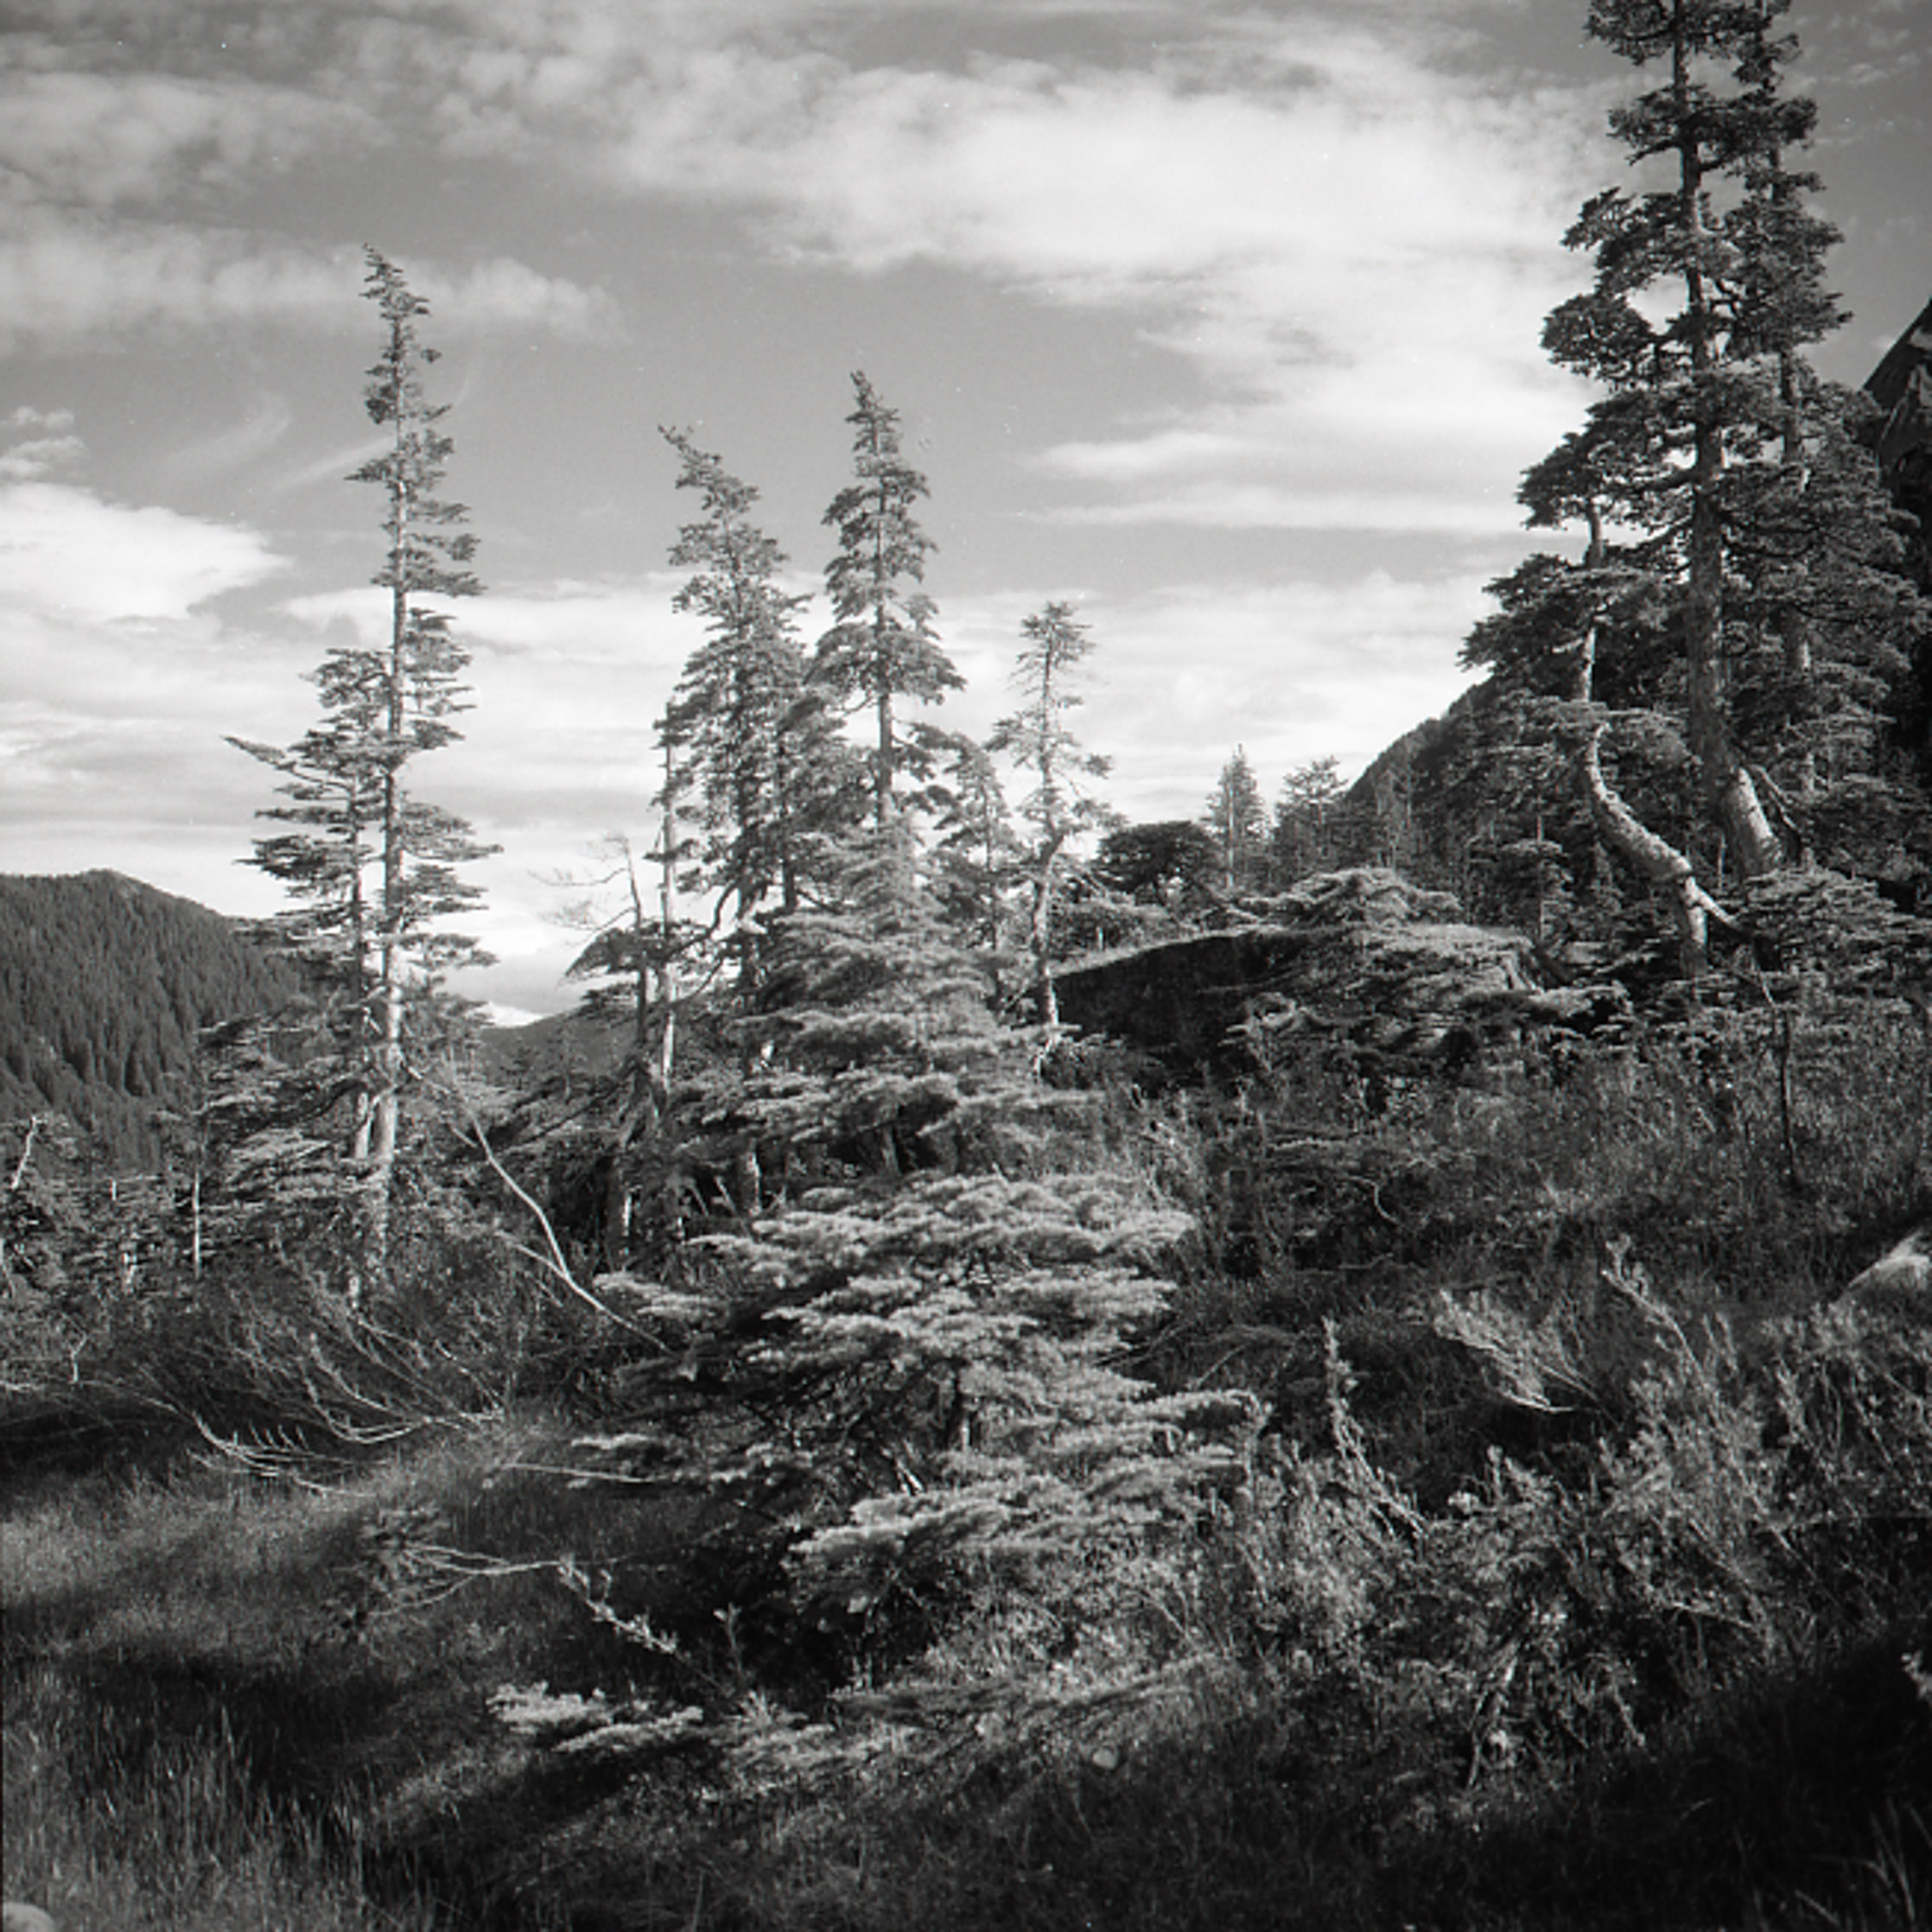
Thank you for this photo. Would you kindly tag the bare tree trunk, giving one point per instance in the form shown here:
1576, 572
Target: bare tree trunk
1583, 687
1658, 860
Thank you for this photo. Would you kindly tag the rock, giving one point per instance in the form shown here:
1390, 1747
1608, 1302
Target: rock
25, 1918
1901, 1278
1361, 956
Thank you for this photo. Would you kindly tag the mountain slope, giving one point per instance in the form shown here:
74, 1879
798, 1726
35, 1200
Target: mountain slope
105, 984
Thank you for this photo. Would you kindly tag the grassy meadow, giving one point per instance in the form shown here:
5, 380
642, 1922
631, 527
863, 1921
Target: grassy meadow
1579, 1576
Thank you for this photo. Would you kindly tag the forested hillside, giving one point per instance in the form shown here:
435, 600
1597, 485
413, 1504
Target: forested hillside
105, 984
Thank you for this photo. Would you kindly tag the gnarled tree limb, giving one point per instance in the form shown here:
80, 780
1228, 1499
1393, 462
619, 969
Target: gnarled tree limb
1659, 861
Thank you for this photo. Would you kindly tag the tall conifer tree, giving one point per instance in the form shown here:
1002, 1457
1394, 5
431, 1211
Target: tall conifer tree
1236, 816
375, 867
760, 753
1037, 739
1733, 572
883, 649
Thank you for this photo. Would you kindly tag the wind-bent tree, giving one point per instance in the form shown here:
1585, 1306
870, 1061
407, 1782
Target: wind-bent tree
1735, 538
1036, 740
373, 869
883, 649
760, 753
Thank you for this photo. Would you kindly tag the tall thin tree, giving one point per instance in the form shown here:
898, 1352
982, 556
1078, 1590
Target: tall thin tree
1037, 739
882, 648
1237, 816
755, 744
376, 866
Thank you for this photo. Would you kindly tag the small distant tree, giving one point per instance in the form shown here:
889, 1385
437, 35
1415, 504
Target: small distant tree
883, 649
1037, 740
1236, 818
1171, 862
1307, 819
373, 867
976, 854
630, 967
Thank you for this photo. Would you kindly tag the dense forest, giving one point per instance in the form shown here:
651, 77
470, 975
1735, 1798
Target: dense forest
105, 988
1364, 1363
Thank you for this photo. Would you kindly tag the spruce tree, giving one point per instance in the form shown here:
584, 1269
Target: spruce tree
883, 649
1236, 818
976, 854
908, 1356
1308, 820
1733, 576
1037, 740
766, 768
373, 869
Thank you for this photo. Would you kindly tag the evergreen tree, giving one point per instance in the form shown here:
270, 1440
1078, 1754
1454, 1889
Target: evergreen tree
907, 1355
762, 755
637, 951
1733, 574
373, 869
1236, 819
1307, 820
1171, 863
976, 854
1037, 740
883, 649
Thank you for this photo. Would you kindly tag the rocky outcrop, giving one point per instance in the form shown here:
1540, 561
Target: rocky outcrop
1361, 956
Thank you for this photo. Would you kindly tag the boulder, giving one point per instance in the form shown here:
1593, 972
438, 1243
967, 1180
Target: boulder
1361, 956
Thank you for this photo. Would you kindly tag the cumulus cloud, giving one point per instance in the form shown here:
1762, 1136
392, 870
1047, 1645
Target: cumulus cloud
1355, 255
65, 551
121, 678
100, 161
1352, 239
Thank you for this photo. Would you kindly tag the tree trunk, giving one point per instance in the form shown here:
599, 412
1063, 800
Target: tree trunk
1730, 798
1659, 862
1042, 936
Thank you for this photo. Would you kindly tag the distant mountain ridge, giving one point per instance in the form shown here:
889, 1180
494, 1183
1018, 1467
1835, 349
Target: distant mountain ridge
105, 984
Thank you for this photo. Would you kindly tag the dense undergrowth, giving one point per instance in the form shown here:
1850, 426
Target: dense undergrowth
1578, 1575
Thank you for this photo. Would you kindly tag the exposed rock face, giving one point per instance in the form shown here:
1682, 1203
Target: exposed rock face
1361, 955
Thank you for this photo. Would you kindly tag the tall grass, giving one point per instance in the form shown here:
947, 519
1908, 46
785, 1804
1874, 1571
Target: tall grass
1581, 1579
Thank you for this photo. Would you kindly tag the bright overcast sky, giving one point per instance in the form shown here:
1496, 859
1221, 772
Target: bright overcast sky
1218, 321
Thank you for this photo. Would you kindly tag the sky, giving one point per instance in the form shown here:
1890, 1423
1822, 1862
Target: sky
1218, 321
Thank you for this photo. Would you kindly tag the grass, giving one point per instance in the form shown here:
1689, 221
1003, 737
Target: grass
1632, 1661
233, 1702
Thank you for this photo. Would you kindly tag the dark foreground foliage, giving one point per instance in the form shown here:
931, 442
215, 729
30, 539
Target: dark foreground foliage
1577, 1576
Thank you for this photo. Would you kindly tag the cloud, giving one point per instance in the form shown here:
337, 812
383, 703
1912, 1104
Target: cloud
1352, 240
121, 679
1349, 236
1291, 671
65, 552
89, 151
64, 278
103, 139
36, 456
267, 422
